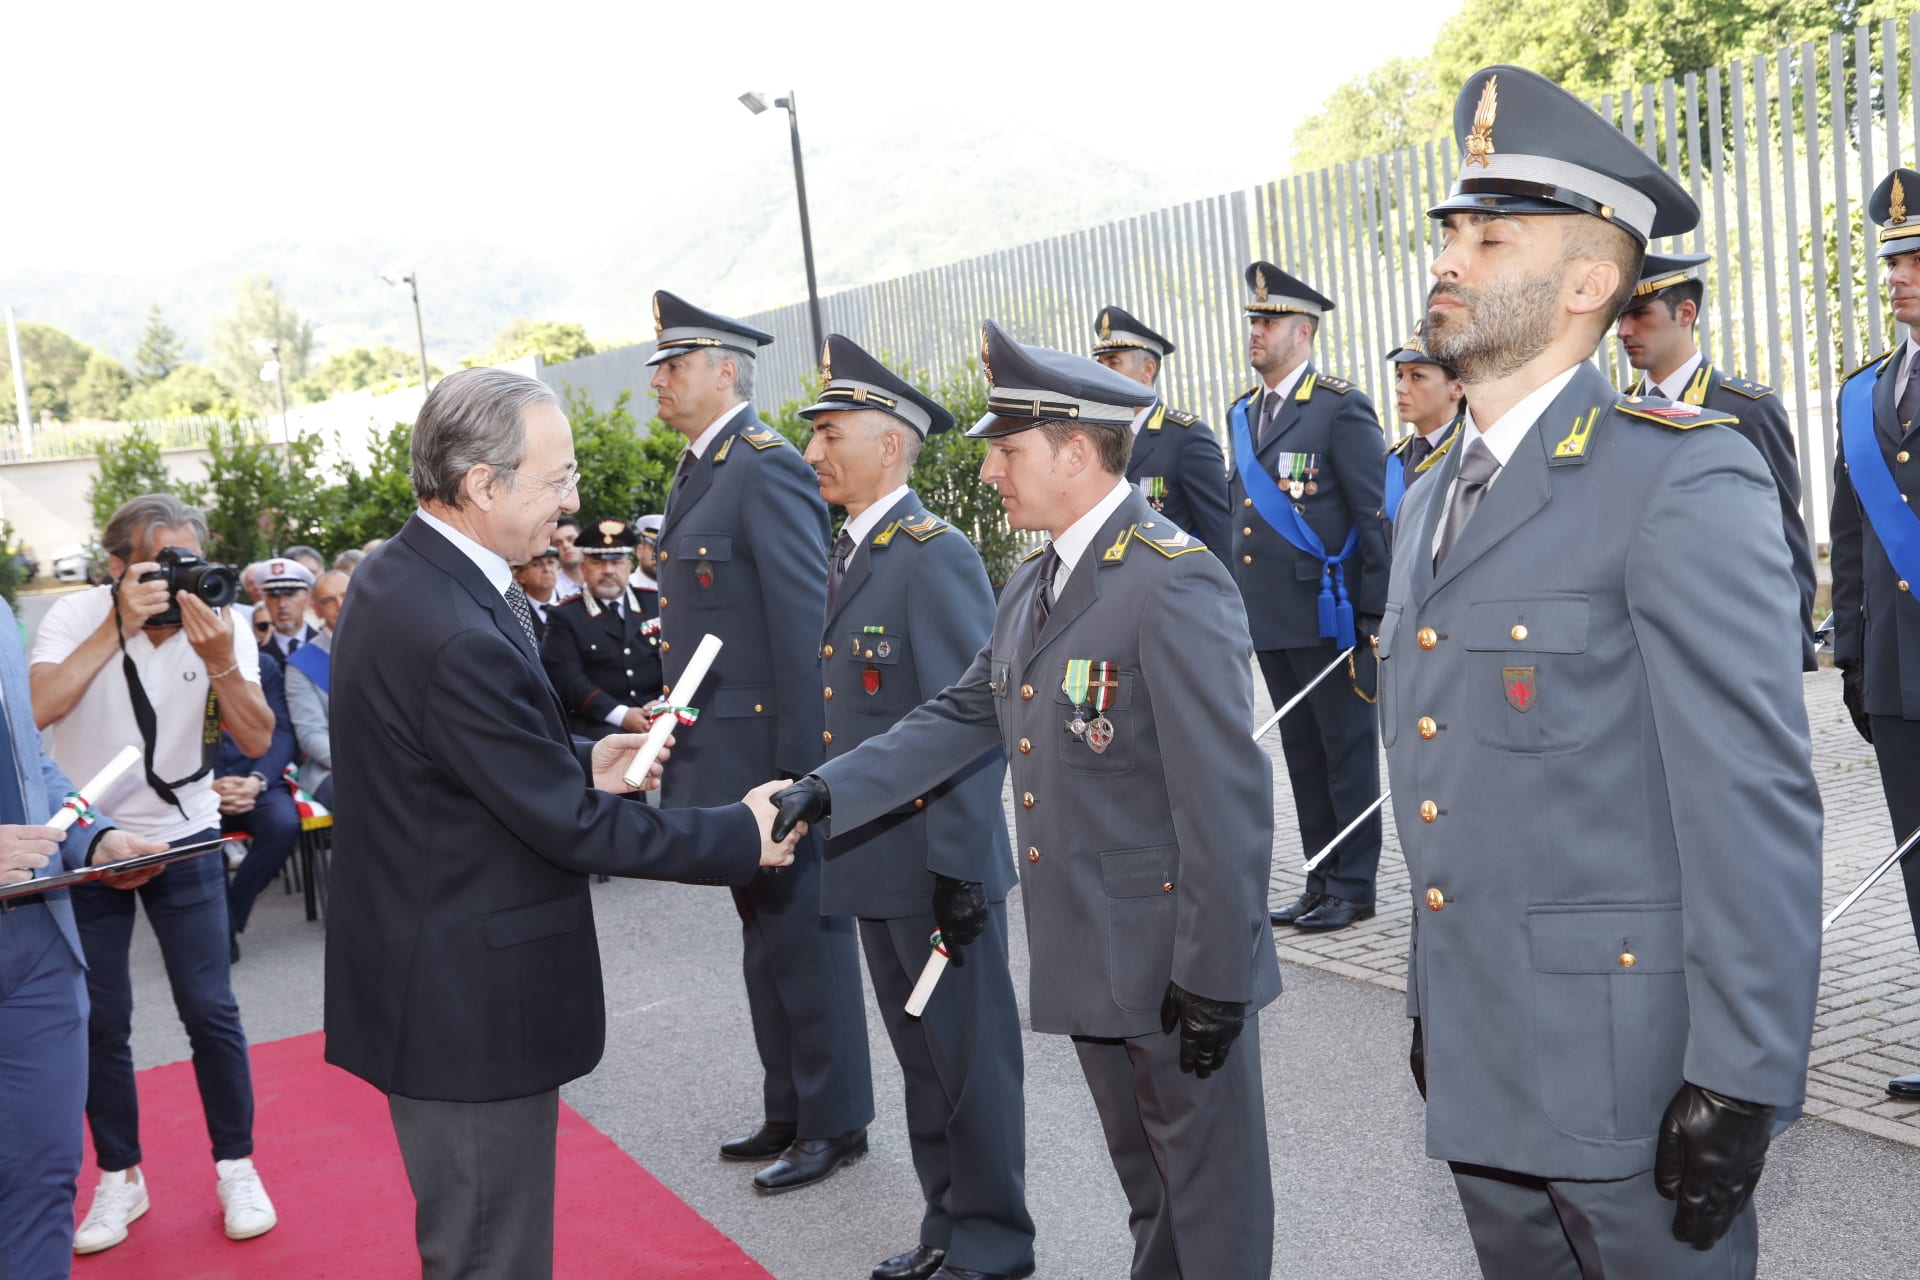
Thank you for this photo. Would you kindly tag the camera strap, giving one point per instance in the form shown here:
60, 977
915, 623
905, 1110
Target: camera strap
148, 723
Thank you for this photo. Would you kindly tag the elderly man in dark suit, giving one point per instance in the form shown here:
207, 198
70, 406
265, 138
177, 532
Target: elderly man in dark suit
743, 556
908, 605
468, 826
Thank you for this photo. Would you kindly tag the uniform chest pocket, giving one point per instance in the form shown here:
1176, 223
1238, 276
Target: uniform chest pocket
1525, 659
876, 672
705, 566
1103, 741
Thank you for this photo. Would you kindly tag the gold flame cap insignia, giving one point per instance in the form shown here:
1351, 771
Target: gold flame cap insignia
1897, 203
658, 328
826, 362
1259, 285
1479, 141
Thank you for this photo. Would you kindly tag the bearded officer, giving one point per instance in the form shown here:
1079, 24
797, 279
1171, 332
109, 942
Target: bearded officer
1613, 839
1117, 683
743, 556
908, 605
1310, 557
1175, 462
1876, 540
1429, 397
1657, 331
602, 647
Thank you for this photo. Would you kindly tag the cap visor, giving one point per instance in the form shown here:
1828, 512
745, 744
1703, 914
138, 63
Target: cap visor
999, 424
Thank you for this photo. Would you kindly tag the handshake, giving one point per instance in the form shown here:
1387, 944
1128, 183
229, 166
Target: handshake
614, 754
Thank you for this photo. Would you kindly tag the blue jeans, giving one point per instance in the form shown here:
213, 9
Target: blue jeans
187, 907
43, 1059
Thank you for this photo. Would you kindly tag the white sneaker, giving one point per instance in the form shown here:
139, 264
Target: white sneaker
117, 1201
249, 1212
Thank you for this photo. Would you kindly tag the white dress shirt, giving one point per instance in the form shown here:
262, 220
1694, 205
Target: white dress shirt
858, 527
490, 563
698, 447
1072, 544
1503, 437
1674, 385
1285, 386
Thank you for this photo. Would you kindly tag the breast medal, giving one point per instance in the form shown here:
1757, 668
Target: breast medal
1095, 684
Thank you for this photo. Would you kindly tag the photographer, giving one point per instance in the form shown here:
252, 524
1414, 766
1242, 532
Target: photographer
148, 661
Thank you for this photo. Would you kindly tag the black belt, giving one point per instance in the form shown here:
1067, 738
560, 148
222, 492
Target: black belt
24, 900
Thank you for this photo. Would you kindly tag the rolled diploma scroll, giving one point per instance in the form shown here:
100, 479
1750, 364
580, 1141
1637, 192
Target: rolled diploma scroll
97, 787
929, 977
684, 693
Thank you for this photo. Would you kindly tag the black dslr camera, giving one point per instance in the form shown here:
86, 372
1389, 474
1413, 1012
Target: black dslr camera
184, 571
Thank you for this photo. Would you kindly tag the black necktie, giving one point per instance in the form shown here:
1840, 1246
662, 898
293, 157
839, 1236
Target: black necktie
1043, 595
1417, 453
685, 469
1909, 406
292, 645
1477, 468
842, 555
517, 601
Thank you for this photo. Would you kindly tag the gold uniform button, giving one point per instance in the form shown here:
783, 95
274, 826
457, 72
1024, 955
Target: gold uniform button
664, 646
1025, 747
1247, 530
1429, 811
1435, 899
827, 652
666, 689
756, 706
1628, 960
1519, 633
1026, 693
920, 803
1246, 559
664, 557
703, 551
1246, 502
1033, 855
1026, 801
1427, 727
1904, 586
1902, 456
663, 602
1167, 887
1427, 637
827, 737
829, 693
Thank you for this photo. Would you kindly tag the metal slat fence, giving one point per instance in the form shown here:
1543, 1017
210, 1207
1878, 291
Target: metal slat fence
1779, 150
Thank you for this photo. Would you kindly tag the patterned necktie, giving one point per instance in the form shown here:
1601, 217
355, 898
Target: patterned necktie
1477, 468
842, 555
517, 601
1043, 595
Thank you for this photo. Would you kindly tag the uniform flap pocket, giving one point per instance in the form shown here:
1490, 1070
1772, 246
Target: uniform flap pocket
516, 925
1648, 939
1389, 628
735, 702
880, 650
1136, 873
1122, 697
705, 546
1552, 625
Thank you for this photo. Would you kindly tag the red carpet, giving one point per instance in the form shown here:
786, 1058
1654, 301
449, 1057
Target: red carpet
328, 1157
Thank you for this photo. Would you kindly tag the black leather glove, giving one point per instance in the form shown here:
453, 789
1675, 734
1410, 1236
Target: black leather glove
1853, 691
1207, 1028
805, 801
1417, 1060
1712, 1149
960, 909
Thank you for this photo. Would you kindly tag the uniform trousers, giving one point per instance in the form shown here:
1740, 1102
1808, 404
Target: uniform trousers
43, 1087
187, 906
802, 972
482, 1178
1896, 745
1191, 1155
1332, 745
1527, 1228
966, 1112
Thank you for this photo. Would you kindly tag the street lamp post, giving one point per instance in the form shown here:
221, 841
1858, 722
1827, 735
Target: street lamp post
275, 372
756, 103
412, 281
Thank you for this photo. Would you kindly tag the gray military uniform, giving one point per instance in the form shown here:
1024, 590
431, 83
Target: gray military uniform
1142, 864
1601, 773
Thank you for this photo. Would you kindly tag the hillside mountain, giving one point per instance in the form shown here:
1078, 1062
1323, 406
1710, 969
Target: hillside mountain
883, 204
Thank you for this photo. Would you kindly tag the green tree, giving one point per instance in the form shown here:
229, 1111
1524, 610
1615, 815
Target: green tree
260, 496
625, 470
259, 312
13, 574
160, 350
101, 388
554, 341
378, 369
374, 503
130, 466
1394, 105
190, 391
54, 362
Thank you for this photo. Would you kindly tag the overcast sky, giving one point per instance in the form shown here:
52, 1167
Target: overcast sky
153, 137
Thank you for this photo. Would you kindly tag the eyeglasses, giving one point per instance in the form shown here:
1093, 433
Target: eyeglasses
263, 627
561, 487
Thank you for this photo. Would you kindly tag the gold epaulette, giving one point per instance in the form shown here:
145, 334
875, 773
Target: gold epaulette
1880, 359
1751, 390
923, 526
1035, 552
763, 438
1339, 386
1169, 540
1249, 395
1181, 418
1680, 417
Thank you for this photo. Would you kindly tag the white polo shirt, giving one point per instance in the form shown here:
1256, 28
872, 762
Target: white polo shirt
175, 680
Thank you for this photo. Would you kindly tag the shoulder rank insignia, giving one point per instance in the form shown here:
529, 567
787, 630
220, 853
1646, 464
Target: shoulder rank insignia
763, 438
1249, 395
1118, 551
1034, 554
1168, 539
720, 454
1751, 390
1574, 443
923, 526
1880, 359
1305, 390
1440, 451
1681, 417
885, 536
1181, 418
1339, 386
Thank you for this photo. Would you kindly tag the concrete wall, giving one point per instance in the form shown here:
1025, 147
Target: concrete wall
47, 501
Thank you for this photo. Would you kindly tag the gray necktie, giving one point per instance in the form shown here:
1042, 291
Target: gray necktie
1269, 410
1477, 468
517, 601
1417, 453
1909, 407
842, 555
1043, 595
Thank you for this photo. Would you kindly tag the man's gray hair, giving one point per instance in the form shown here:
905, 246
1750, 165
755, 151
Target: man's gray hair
473, 418
149, 511
742, 368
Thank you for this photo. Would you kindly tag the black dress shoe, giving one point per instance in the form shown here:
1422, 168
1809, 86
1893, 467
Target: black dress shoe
917, 1263
1333, 913
810, 1160
962, 1273
764, 1144
1301, 906
1906, 1088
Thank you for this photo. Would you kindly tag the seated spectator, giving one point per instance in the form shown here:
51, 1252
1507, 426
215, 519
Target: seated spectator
254, 800
646, 560
329, 593
250, 581
602, 648
373, 545
262, 623
537, 577
349, 560
316, 564
309, 672
287, 585
566, 539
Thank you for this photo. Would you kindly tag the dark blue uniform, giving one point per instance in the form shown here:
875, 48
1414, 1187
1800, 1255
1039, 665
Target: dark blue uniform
1177, 465
601, 655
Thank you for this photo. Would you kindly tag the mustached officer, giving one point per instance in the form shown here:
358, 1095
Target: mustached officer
1175, 462
1430, 398
1613, 840
1310, 555
1116, 683
1657, 331
1876, 540
602, 647
908, 605
743, 556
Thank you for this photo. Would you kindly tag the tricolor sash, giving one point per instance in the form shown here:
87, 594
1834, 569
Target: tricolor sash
1336, 611
1894, 522
1396, 484
313, 662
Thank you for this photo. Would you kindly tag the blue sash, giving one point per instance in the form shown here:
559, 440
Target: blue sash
313, 662
1895, 523
1396, 483
1336, 611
